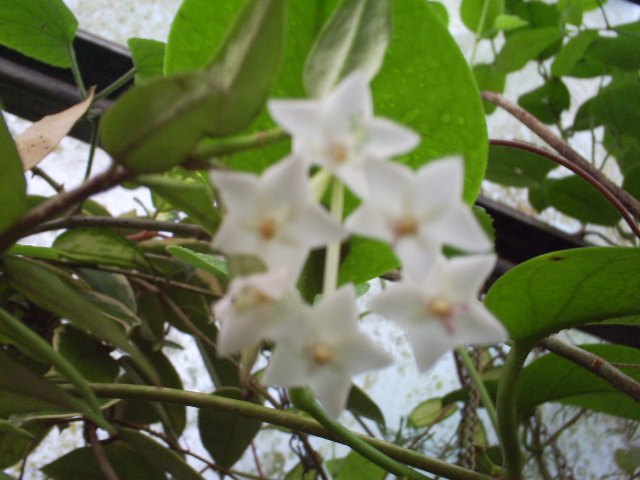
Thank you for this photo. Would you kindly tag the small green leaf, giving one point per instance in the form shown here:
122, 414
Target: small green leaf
226, 436
42, 29
570, 195
81, 464
114, 285
100, 246
616, 53
34, 252
525, 45
545, 380
148, 58
361, 404
159, 456
188, 191
355, 38
516, 167
429, 412
40, 285
628, 459
509, 22
365, 259
356, 467
548, 101
301, 472
471, 13
13, 449
618, 107
11, 429
538, 14
565, 289
572, 53
13, 186
215, 266
488, 78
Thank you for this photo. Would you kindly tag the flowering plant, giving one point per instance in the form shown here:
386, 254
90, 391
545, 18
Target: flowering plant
290, 195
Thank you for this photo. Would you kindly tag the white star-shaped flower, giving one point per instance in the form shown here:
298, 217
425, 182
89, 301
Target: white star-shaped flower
340, 133
256, 308
273, 216
330, 349
441, 310
418, 212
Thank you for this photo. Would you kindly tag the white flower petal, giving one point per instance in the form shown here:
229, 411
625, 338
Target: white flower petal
429, 342
440, 183
469, 273
301, 118
349, 102
389, 139
478, 326
458, 227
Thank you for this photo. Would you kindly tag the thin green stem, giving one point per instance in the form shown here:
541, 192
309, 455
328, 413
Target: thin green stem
506, 407
303, 398
479, 384
114, 86
75, 70
210, 149
280, 418
95, 124
332, 258
479, 30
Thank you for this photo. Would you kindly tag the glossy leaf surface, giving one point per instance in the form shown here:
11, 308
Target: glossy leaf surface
541, 296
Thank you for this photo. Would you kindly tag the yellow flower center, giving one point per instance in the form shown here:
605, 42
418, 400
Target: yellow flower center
440, 307
338, 152
268, 228
249, 298
405, 226
321, 353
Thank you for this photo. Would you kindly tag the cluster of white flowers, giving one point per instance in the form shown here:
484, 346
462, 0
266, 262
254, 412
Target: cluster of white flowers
275, 218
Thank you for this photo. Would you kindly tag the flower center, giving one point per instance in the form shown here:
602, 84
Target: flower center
268, 228
338, 152
321, 353
405, 226
444, 309
249, 298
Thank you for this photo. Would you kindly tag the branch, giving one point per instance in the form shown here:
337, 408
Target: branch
100, 454
595, 364
606, 193
61, 203
130, 223
276, 417
563, 148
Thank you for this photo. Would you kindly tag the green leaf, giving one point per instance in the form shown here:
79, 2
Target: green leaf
101, 246
301, 472
13, 186
618, 107
13, 449
42, 29
525, 45
148, 58
565, 289
430, 412
356, 467
616, 53
575, 197
516, 167
488, 78
226, 436
11, 429
114, 285
365, 259
210, 264
440, 11
361, 404
628, 459
436, 96
572, 52
159, 456
89, 356
509, 22
552, 378
471, 14
49, 291
188, 191
538, 14
355, 38
81, 464
548, 101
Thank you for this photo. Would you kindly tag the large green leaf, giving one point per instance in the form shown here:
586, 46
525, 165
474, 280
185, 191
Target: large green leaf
44, 288
618, 107
575, 197
616, 53
566, 289
359, 403
159, 456
13, 187
355, 38
42, 29
148, 58
81, 464
155, 125
525, 45
426, 84
188, 191
226, 436
356, 467
554, 379
516, 167
100, 246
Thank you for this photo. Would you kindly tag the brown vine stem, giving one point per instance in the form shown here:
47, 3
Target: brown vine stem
595, 364
563, 148
606, 193
195, 231
100, 454
61, 203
